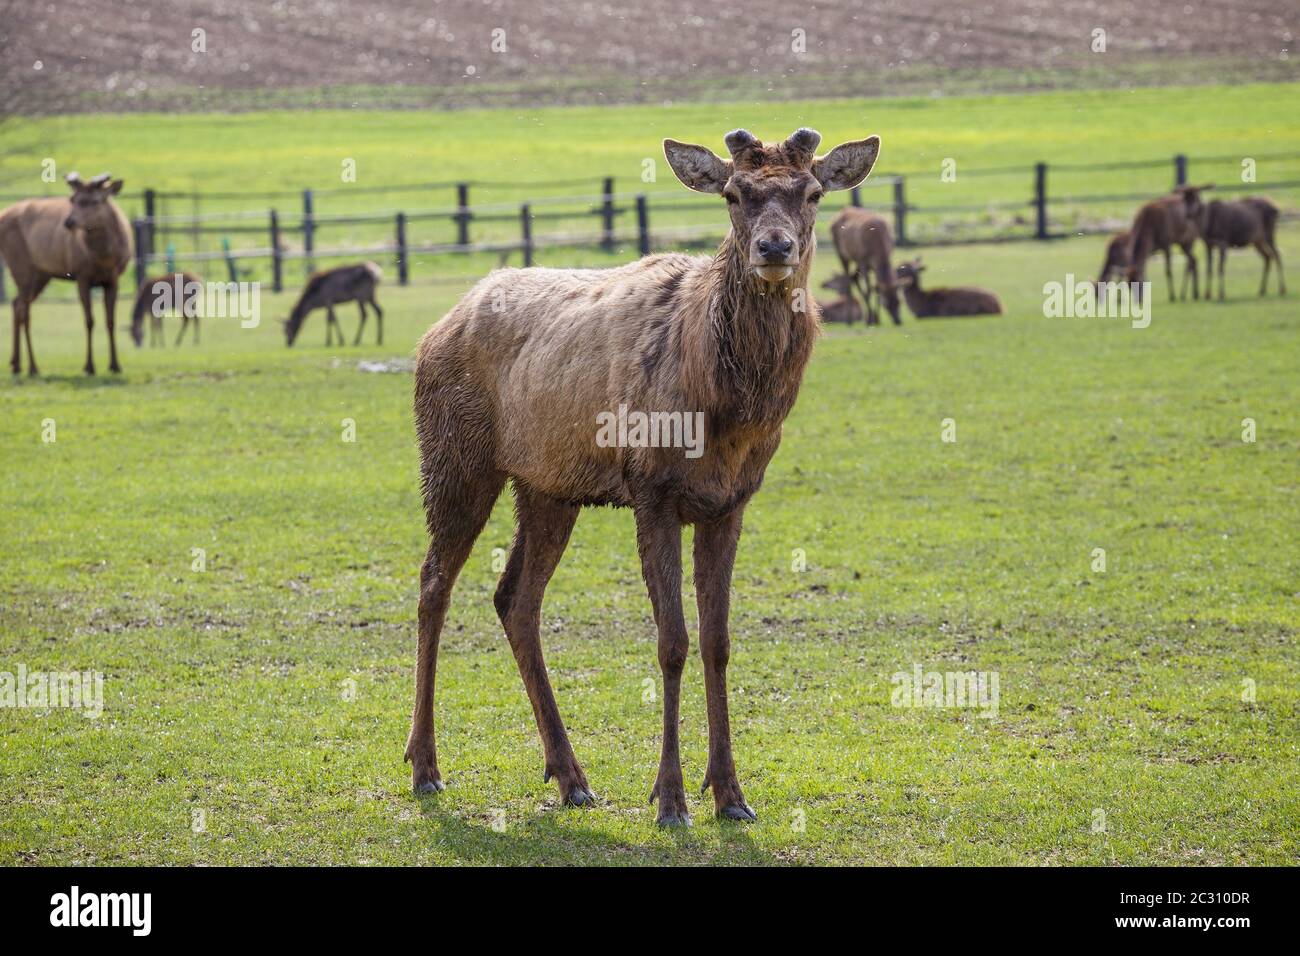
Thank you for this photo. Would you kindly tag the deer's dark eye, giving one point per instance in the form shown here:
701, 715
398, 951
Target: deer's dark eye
815, 196
731, 198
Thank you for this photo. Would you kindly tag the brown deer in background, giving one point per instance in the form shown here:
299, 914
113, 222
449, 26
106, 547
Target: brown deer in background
512, 383
1242, 222
943, 303
845, 309
328, 288
84, 238
1161, 224
158, 296
1116, 261
863, 239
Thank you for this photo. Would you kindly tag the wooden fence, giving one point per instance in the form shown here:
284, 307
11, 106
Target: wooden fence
605, 210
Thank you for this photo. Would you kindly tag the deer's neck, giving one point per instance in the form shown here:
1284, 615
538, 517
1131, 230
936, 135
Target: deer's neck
753, 340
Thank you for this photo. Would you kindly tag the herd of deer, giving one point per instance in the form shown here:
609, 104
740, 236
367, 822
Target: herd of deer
1180, 219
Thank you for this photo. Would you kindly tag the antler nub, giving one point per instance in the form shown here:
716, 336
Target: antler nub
100, 180
739, 139
805, 139
73, 178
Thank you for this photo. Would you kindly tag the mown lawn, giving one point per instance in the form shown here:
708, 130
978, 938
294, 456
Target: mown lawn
1122, 734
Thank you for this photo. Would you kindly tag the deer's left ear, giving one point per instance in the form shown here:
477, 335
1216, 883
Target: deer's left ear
847, 164
115, 186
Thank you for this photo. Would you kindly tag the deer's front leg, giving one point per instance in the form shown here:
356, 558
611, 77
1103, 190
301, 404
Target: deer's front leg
715, 554
659, 540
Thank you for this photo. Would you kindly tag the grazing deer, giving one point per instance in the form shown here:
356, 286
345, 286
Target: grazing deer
159, 295
1242, 222
328, 288
85, 238
1116, 261
513, 382
863, 239
1161, 224
940, 303
844, 309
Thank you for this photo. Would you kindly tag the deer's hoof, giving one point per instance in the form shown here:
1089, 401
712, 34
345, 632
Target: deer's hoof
738, 811
579, 797
430, 786
672, 819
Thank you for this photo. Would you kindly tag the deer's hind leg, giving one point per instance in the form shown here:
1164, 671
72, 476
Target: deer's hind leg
362, 326
460, 487
542, 533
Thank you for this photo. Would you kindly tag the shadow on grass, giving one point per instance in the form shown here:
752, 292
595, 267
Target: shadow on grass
550, 838
79, 380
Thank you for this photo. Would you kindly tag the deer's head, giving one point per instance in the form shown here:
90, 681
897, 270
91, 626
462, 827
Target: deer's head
1193, 205
909, 273
91, 210
772, 192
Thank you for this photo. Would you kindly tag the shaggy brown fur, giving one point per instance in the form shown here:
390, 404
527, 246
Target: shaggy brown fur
1161, 224
510, 384
942, 303
162, 289
85, 238
1243, 222
863, 240
845, 309
328, 288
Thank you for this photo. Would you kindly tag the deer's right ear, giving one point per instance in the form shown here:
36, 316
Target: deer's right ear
697, 167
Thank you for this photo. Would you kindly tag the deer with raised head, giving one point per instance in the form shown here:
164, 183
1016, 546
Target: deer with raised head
85, 238
179, 293
943, 303
520, 380
1161, 224
862, 239
330, 287
1236, 224
845, 309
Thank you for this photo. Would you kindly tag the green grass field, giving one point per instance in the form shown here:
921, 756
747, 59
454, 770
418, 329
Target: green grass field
271, 691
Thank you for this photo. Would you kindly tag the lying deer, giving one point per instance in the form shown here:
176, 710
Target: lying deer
844, 309
1237, 224
863, 239
158, 296
940, 303
84, 238
512, 383
1161, 224
328, 288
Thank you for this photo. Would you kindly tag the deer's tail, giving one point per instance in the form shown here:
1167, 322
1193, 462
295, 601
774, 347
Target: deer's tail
376, 273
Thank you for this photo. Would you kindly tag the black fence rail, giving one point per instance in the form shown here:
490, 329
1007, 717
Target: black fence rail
608, 221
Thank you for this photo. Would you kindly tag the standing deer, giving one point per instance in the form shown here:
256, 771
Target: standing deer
863, 239
329, 287
512, 383
844, 309
1116, 261
85, 238
1161, 224
1242, 222
942, 303
159, 295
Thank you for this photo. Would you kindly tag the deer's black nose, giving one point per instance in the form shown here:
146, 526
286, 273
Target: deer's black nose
775, 249
69, 224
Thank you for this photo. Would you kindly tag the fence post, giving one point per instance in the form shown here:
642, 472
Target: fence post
149, 204
642, 224
1180, 170
1040, 200
900, 211
401, 249
855, 196
462, 215
526, 222
230, 260
277, 277
140, 253
607, 216
308, 228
